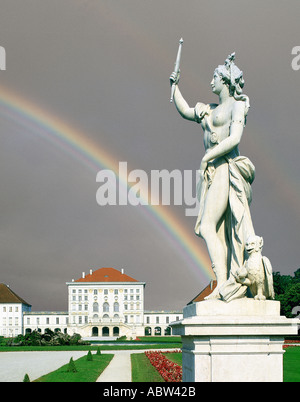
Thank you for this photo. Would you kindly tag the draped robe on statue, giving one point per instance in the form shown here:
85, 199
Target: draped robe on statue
236, 226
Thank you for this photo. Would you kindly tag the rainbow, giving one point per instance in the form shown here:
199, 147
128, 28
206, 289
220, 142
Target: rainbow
74, 142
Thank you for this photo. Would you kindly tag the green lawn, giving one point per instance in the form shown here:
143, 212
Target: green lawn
142, 370
291, 364
160, 343
174, 357
87, 371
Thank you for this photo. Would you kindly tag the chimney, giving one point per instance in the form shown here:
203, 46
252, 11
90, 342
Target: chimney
91, 271
83, 275
122, 271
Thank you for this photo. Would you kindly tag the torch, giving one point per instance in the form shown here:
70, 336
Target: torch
177, 65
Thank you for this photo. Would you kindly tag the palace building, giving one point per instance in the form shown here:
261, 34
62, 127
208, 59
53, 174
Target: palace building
104, 302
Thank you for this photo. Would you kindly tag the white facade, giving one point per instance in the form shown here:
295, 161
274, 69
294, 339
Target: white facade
96, 307
11, 318
101, 309
158, 322
40, 321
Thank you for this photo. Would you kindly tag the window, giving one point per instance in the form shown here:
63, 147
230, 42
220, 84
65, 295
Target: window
116, 307
148, 320
105, 308
95, 291
95, 307
116, 291
28, 321
157, 320
57, 320
47, 320
167, 320
106, 291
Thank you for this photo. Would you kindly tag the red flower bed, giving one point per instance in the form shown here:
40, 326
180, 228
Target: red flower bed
169, 371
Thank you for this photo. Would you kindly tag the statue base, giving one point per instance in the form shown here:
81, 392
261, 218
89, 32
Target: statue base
233, 342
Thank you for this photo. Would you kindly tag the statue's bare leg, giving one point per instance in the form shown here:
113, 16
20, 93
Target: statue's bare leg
215, 206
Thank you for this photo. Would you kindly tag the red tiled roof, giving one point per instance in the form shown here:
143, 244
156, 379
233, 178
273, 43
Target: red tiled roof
204, 293
8, 296
106, 275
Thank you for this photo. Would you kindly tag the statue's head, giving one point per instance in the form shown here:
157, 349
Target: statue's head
231, 75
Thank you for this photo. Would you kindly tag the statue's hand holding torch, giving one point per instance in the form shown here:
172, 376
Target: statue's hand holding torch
174, 78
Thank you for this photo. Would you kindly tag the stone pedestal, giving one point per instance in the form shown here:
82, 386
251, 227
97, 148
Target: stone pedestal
233, 342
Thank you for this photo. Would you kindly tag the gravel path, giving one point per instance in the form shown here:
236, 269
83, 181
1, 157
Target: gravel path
14, 365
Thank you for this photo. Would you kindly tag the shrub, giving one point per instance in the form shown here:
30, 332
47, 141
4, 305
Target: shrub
71, 366
26, 378
49, 338
89, 356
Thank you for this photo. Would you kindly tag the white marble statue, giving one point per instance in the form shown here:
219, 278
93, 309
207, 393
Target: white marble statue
224, 189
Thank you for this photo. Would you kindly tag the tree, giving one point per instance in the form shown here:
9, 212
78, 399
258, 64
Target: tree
287, 291
290, 299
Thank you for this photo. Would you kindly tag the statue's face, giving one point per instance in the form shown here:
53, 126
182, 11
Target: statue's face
217, 83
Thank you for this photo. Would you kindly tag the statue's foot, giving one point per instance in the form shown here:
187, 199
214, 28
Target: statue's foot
214, 295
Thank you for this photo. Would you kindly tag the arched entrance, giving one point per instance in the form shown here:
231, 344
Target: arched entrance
148, 331
116, 331
105, 331
95, 331
168, 331
157, 331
